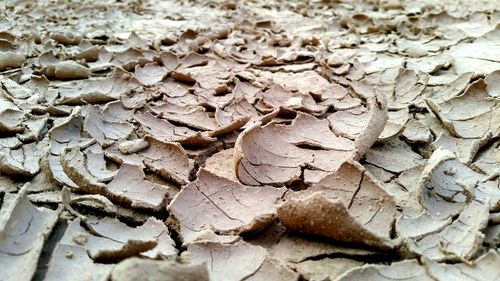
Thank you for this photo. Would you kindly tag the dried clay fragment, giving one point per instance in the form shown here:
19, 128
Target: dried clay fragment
247, 262
481, 117
446, 190
221, 205
66, 70
275, 154
23, 230
404, 270
11, 60
165, 131
136, 269
84, 253
347, 205
167, 159
129, 187
484, 268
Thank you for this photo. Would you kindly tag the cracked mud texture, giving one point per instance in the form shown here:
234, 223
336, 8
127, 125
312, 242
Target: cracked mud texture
250, 140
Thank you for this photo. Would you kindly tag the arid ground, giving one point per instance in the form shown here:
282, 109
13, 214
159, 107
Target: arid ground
249, 140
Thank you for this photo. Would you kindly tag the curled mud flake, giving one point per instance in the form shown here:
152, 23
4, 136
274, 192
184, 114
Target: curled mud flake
11, 117
403, 270
492, 84
130, 188
98, 90
274, 270
152, 230
388, 155
11, 60
169, 160
15, 90
133, 146
416, 132
464, 149
66, 38
73, 263
325, 269
66, 133
221, 205
484, 268
23, 162
66, 70
96, 165
194, 117
489, 161
274, 154
169, 60
445, 185
136, 268
150, 74
480, 56
277, 96
221, 164
247, 259
23, 231
165, 131
74, 166
477, 121
336, 207
104, 131
463, 238
294, 249
395, 124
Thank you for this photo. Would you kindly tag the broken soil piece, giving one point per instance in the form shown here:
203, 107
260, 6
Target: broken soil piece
23, 230
324, 269
150, 74
165, 131
11, 60
66, 70
336, 208
74, 166
480, 118
463, 238
464, 149
221, 205
133, 146
152, 230
130, 188
484, 268
404, 270
296, 249
193, 117
113, 241
23, 162
135, 269
69, 262
245, 259
11, 117
492, 83
221, 164
67, 133
439, 191
388, 156
102, 130
274, 270
169, 160
274, 154
96, 165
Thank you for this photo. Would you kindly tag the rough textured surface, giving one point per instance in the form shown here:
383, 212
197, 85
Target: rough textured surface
256, 140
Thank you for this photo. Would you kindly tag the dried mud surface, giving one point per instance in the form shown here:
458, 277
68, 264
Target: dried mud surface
250, 140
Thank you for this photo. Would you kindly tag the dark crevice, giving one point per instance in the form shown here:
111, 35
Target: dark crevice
48, 248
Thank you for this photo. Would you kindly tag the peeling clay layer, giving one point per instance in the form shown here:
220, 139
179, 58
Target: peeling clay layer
219, 140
